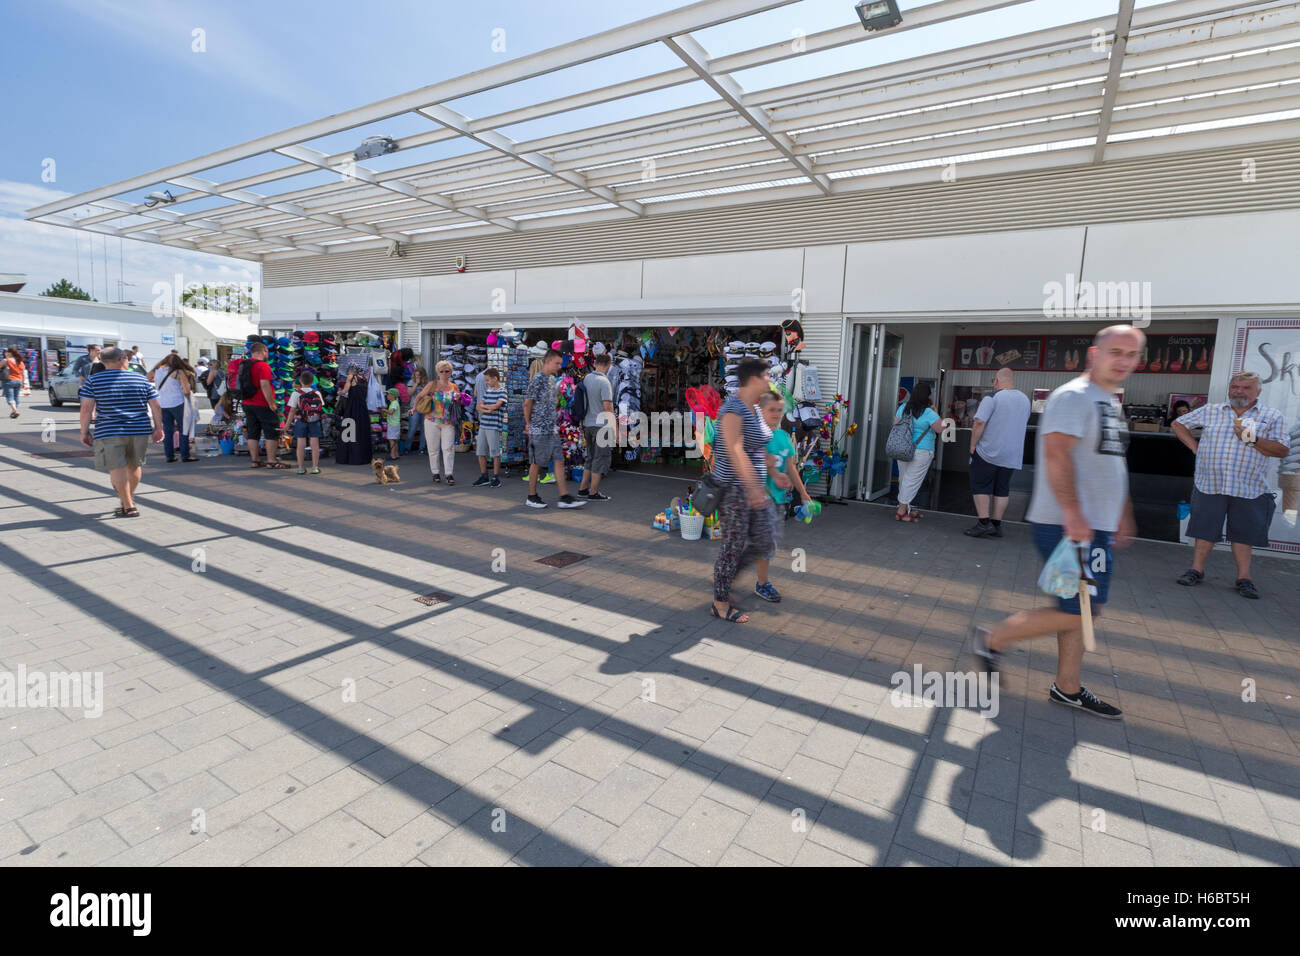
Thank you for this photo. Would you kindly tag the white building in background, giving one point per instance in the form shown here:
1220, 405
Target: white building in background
214, 334
59, 330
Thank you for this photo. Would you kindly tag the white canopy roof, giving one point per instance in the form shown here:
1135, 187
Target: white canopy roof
1169, 77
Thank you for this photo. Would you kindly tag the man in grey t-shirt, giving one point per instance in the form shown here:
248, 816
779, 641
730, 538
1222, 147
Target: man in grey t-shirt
600, 449
997, 444
1080, 492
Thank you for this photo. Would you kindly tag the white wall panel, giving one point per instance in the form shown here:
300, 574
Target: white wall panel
994, 271
1249, 259
302, 298
605, 280
374, 294
771, 271
474, 290
823, 278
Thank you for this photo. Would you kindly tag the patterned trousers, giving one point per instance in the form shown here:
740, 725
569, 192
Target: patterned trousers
746, 536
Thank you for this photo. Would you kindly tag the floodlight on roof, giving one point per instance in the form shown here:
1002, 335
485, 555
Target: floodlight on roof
879, 14
373, 146
162, 196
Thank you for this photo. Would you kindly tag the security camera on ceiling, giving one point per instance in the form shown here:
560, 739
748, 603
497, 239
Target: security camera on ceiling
373, 146
161, 196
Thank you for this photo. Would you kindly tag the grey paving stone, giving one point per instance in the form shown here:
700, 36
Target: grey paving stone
332, 841
620, 793
703, 832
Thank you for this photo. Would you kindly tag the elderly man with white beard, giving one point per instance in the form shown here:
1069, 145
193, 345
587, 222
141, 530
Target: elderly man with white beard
1237, 437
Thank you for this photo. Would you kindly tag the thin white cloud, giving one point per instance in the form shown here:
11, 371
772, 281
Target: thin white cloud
48, 253
234, 53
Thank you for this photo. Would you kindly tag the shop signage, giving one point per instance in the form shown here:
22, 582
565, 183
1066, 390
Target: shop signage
1271, 348
1003, 351
1177, 355
169, 338
1066, 353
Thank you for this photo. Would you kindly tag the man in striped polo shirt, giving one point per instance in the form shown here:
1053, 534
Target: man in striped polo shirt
121, 402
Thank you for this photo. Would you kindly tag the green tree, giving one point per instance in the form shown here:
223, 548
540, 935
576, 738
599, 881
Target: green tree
63, 289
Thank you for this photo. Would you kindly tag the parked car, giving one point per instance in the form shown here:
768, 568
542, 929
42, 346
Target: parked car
64, 388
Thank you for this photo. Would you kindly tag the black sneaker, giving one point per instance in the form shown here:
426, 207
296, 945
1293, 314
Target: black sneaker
1086, 701
597, 496
1246, 588
495, 482
995, 531
568, 501
979, 530
987, 658
535, 501
480, 481
583, 492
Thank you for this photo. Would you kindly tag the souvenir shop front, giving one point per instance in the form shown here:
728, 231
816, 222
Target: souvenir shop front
659, 368
370, 355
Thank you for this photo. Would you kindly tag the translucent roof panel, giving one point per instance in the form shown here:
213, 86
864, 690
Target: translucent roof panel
728, 102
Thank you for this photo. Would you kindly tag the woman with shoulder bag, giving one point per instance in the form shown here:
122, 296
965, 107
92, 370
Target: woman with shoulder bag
174, 389
440, 426
925, 425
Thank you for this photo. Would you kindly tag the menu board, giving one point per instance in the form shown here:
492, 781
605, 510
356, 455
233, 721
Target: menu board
1164, 354
1177, 355
1066, 353
1003, 351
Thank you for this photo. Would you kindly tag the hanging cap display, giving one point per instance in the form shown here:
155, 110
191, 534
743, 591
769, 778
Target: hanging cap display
597, 348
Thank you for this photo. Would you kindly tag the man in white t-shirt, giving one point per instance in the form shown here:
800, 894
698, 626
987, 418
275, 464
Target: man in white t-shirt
1080, 493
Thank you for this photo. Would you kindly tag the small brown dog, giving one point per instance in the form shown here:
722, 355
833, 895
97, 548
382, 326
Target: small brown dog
391, 475
378, 466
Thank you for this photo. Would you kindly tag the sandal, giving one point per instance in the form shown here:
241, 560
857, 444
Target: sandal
733, 614
450, 480
277, 465
119, 512
131, 513
189, 459
1190, 578
258, 464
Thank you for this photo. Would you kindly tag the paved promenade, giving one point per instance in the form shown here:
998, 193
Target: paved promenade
274, 693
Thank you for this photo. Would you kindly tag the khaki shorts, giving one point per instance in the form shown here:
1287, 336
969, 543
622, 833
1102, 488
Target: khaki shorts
121, 451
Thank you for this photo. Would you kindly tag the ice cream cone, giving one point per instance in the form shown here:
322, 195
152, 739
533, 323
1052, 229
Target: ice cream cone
1290, 485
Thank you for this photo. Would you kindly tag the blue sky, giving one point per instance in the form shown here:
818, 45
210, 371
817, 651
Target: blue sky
113, 88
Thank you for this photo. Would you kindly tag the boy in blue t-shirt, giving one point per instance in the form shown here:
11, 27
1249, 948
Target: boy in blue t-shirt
782, 463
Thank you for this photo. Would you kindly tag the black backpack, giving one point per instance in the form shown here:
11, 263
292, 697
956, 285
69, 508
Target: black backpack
215, 378
578, 406
245, 388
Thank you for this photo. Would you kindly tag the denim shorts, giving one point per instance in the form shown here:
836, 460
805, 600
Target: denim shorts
1101, 565
302, 429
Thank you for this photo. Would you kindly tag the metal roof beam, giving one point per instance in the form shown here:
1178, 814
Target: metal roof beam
1118, 45
507, 146
694, 55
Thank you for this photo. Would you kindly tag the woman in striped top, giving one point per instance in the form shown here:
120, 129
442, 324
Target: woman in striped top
740, 464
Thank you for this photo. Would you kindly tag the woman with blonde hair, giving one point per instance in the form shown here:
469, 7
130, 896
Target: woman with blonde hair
440, 424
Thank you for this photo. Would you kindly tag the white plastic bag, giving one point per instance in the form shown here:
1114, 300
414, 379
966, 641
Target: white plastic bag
1061, 573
